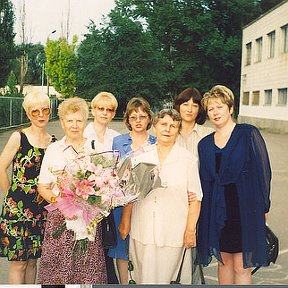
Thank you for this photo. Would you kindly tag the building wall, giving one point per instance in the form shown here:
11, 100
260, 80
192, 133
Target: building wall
266, 74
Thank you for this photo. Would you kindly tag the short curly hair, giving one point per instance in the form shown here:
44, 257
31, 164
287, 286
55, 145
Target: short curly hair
73, 105
219, 92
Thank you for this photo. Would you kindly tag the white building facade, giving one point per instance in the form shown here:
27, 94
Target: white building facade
264, 71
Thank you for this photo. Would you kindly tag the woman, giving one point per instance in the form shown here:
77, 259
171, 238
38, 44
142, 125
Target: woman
138, 118
163, 223
58, 264
23, 216
193, 116
235, 176
104, 106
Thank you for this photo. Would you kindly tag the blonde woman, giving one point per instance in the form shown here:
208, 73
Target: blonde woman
235, 176
23, 217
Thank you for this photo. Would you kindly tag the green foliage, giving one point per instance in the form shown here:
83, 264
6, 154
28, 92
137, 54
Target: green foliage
7, 49
60, 65
12, 90
121, 58
156, 48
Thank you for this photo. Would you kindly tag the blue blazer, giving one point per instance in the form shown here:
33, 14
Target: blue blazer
245, 163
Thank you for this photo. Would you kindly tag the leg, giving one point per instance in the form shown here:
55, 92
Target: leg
31, 271
241, 275
16, 272
122, 267
226, 271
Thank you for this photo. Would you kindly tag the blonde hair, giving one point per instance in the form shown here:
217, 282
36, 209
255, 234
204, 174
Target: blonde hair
135, 104
106, 97
73, 105
35, 98
219, 92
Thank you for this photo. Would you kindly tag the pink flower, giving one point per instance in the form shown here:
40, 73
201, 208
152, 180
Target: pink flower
84, 188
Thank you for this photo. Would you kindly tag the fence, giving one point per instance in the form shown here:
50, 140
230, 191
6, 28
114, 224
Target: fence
12, 113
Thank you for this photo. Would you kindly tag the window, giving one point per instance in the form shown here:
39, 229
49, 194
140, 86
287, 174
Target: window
255, 98
248, 53
285, 38
268, 97
282, 96
245, 99
271, 44
258, 50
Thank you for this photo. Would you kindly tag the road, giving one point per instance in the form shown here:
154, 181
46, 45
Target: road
275, 274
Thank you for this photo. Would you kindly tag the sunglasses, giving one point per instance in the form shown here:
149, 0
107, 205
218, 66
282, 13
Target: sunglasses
102, 109
38, 112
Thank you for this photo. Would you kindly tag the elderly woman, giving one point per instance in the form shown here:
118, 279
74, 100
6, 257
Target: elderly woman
58, 264
164, 223
235, 176
138, 118
23, 216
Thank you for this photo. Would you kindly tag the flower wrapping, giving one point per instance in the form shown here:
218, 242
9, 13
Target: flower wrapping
89, 189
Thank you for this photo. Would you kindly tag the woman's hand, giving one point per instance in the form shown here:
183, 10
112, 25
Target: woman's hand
189, 238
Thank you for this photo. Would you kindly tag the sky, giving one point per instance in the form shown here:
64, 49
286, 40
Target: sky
45, 16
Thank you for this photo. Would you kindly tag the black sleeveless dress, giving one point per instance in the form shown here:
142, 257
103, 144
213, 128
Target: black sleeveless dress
231, 235
23, 216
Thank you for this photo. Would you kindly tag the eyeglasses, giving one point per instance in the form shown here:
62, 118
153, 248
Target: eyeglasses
102, 109
37, 112
130, 269
135, 118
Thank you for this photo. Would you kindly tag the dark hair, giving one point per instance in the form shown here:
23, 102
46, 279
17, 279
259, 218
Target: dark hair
195, 95
135, 104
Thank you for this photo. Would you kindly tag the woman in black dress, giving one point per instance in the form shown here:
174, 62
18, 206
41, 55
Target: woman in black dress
23, 216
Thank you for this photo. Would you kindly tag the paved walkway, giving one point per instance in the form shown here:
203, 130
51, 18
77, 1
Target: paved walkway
278, 218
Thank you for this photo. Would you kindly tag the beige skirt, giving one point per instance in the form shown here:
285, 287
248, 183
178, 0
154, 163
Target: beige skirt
159, 265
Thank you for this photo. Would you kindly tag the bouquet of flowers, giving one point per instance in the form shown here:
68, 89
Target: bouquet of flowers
89, 189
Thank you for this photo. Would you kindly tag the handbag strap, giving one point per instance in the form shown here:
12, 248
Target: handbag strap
180, 268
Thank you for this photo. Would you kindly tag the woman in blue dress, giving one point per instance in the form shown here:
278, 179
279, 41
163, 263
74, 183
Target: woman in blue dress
138, 118
235, 175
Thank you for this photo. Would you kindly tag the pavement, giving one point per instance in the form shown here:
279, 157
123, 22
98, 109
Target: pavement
275, 274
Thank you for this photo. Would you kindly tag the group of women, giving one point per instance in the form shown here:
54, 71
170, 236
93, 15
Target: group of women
214, 193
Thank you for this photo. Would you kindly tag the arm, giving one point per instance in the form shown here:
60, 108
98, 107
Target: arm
192, 219
263, 166
46, 192
6, 158
125, 224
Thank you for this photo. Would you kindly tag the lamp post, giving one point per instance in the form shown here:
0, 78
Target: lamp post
43, 67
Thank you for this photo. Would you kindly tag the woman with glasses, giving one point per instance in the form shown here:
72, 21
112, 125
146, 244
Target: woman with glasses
103, 108
138, 118
164, 222
58, 264
23, 217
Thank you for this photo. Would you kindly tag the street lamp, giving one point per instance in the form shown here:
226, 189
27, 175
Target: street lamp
43, 68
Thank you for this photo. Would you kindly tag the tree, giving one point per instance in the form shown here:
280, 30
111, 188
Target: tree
60, 65
121, 58
7, 49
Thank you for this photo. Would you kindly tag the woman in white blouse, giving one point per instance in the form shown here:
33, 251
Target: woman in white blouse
163, 223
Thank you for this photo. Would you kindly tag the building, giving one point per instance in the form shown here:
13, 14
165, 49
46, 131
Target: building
264, 71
